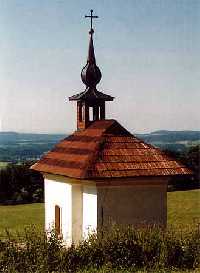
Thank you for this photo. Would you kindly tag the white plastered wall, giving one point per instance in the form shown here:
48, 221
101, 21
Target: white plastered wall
77, 212
58, 193
89, 209
78, 205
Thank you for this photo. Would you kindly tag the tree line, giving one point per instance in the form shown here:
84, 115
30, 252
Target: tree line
191, 159
19, 184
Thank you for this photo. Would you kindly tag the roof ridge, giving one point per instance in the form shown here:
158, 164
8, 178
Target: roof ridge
120, 127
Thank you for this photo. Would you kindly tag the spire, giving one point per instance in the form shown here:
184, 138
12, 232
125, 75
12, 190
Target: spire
91, 74
91, 98
91, 56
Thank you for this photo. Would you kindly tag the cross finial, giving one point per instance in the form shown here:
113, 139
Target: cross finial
91, 18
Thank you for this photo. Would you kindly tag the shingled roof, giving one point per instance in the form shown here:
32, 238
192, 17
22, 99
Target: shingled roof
106, 150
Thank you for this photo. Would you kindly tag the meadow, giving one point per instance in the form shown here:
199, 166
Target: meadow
3, 164
17, 217
183, 208
183, 211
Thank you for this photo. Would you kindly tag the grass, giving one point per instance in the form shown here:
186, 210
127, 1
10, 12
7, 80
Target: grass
3, 164
183, 210
16, 218
183, 207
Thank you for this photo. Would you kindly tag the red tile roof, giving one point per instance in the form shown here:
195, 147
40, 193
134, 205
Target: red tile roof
106, 150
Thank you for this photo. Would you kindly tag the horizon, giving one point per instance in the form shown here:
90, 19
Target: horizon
64, 133
151, 68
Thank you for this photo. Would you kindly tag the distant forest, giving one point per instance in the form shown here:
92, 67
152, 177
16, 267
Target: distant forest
18, 147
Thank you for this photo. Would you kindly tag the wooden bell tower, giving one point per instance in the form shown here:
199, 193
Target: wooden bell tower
90, 103
88, 111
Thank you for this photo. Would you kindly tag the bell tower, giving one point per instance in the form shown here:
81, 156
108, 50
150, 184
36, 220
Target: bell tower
90, 103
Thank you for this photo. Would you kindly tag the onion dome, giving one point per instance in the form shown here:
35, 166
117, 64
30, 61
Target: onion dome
91, 74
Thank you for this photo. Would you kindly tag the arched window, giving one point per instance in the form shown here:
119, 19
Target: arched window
57, 220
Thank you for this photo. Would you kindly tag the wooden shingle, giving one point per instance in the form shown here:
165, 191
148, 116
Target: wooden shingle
106, 150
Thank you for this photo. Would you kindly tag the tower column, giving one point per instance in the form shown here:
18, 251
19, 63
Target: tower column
79, 111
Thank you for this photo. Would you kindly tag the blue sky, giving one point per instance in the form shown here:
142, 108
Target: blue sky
147, 50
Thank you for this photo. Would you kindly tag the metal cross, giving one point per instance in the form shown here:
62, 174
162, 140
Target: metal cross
91, 17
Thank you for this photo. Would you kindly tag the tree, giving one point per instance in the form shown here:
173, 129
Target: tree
190, 159
18, 183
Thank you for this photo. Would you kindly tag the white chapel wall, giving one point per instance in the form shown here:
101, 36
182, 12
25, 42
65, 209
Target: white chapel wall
58, 193
78, 205
89, 209
77, 212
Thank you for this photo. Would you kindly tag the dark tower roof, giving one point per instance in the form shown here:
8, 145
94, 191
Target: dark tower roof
91, 94
91, 75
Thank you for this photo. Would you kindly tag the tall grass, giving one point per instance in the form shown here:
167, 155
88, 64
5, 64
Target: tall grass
119, 249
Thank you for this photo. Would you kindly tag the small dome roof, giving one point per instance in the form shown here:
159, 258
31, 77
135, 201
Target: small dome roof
91, 74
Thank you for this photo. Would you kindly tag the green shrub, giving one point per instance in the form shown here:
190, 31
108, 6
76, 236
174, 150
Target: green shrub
182, 251
119, 249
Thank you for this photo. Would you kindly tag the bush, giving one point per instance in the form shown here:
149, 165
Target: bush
182, 251
119, 249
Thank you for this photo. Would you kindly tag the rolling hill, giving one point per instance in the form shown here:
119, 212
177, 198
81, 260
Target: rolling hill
15, 147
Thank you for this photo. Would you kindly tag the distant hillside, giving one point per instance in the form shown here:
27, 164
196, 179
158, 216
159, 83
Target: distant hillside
17, 147
172, 140
13, 137
22, 146
171, 136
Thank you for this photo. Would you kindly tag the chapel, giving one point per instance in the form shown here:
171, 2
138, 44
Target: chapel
102, 174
